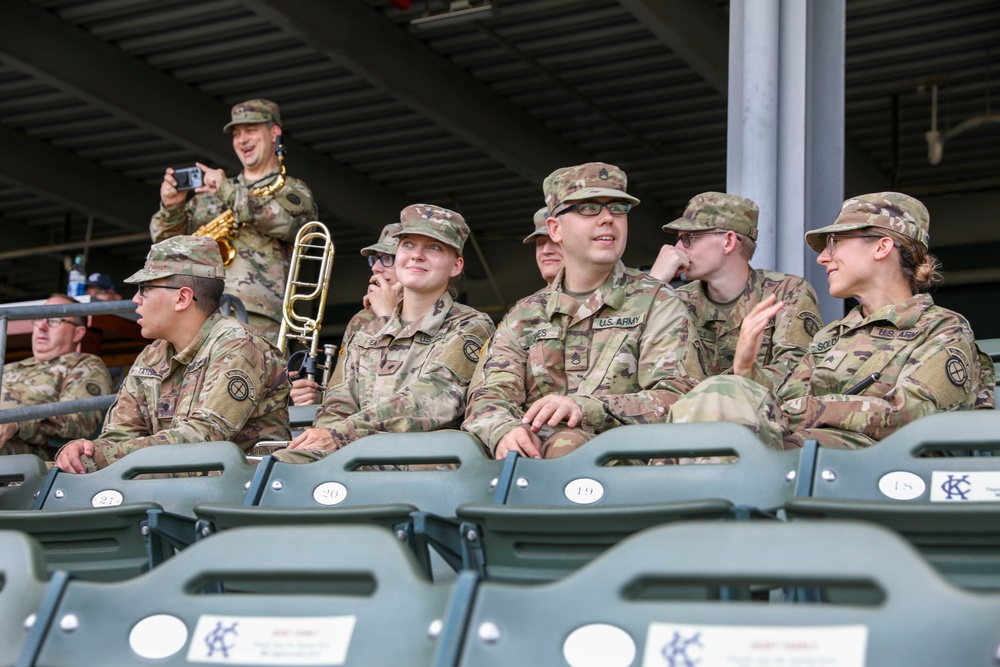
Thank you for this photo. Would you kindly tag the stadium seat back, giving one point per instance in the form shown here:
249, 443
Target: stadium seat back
759, 477
175, 477
21, 476
619, 610
350, 476
104, 544
347, 596
946, 506
22, 587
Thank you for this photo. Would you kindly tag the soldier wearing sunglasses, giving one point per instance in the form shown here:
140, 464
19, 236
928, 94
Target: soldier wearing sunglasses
716, 241
56, 372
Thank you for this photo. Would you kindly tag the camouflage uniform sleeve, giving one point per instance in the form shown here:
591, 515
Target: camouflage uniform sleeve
86, 379
434, 399
667, 368
794, 328
281, 215
925, 385
236, 377
496, 403
167, 224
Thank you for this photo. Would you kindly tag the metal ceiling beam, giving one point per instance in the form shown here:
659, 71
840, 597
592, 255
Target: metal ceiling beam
434, 87
76, 182
698, 31
128, 88
695, 30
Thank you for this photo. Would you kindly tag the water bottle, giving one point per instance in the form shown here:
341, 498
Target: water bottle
77, 278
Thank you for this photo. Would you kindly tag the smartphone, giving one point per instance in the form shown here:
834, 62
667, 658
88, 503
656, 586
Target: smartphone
188, 178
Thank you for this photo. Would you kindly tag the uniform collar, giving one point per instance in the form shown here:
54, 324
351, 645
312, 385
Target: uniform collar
187, 355
611, 293
430, 323
900, 315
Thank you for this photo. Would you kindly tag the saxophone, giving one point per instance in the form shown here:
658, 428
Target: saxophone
225, 228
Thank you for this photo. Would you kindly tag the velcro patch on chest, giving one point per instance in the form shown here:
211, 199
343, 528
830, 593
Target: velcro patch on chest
619, 322
144, 371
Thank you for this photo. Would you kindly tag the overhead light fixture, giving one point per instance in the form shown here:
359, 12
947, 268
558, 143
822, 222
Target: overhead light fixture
936, 139
459, 11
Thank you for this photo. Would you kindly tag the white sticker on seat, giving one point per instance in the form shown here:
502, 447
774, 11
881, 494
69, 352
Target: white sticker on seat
669, 644
599, 645
901, 485
330, 493
584, 491
272, 640
948, 486
107, 498
157, 637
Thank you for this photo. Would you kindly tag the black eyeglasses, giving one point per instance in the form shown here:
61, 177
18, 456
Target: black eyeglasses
832, 240
687, 239
387, 260
592, 208
145, 287
54, 321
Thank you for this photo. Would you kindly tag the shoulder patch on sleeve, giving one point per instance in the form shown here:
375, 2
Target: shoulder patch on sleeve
291, 201
810, 322
473, 348
240, 386
957, 368
93, 388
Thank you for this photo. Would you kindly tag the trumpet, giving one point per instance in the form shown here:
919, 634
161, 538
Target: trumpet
313, 244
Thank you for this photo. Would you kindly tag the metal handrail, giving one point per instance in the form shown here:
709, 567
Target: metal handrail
7, 313
123, 308
46, 410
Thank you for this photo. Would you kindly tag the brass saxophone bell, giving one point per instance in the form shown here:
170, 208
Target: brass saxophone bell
227, 251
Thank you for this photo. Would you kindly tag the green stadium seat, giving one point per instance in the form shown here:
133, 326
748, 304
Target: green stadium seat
344, 596
343, 488
560, 513
22, 589
621, 609
947, 506
21, 477
122, 520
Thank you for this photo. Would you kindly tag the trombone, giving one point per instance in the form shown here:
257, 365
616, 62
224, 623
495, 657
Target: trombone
312, 244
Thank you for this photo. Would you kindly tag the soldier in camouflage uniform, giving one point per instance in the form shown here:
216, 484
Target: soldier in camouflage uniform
548, 253
205, 378
379, 302
602, 346
270, 221
409, 372
55, 373
717, 239
925, 355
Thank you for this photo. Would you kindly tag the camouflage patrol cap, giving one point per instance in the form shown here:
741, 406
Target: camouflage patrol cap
584, 181
718, 210
252, 112
386, 244
181, 255
888, 210
541, 229
436, 222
